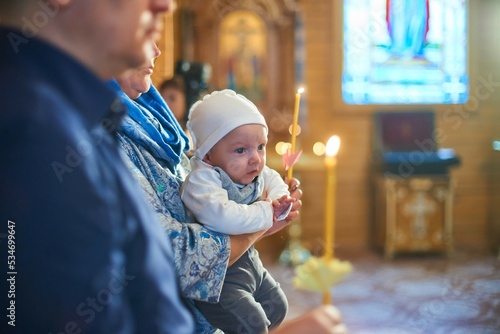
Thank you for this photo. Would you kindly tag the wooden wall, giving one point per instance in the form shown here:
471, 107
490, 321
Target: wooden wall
487, 36
164, 64
468, 128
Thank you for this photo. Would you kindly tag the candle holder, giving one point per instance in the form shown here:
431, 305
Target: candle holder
294, 254
291, 157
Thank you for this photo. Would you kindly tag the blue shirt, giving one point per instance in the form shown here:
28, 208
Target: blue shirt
81, 250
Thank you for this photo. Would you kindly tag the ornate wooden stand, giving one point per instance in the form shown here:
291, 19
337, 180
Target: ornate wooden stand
413, 214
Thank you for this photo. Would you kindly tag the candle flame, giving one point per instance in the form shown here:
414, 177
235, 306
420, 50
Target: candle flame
300, 90
332, 146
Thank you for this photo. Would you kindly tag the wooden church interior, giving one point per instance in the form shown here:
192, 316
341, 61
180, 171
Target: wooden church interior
449, 276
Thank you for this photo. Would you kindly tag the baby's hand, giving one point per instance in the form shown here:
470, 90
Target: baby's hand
282, 207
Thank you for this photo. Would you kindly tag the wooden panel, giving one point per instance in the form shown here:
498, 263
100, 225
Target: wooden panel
164, 65
490, 65
414, 214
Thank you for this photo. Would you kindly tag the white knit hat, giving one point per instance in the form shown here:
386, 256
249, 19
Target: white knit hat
216, 115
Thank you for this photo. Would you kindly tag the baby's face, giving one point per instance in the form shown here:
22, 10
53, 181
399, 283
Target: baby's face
241, 153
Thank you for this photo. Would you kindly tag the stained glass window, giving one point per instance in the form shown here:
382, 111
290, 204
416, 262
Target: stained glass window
405, 52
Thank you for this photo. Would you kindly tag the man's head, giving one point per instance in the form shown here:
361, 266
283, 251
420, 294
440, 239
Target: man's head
108, 36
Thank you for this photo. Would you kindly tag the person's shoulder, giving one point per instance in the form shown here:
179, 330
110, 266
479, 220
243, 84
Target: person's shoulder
21, 98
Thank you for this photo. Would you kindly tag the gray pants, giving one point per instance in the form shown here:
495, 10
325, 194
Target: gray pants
251, 301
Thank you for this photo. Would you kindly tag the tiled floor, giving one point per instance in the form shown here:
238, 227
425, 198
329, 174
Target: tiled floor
411, 294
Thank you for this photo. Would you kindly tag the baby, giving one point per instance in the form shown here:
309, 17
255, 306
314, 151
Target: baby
231, 190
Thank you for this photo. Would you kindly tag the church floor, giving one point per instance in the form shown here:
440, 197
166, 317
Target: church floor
410, 294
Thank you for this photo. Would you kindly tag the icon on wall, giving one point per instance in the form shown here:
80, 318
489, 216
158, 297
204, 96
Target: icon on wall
243, 53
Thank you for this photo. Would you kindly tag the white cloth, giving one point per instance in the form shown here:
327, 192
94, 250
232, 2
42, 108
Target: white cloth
216, 115
204, 197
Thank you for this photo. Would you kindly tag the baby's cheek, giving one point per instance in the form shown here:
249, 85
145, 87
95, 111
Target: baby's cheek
233, 167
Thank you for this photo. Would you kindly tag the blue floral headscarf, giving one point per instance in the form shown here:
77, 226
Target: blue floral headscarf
159, 132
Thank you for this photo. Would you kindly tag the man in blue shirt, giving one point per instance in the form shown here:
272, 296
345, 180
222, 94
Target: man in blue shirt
81, 251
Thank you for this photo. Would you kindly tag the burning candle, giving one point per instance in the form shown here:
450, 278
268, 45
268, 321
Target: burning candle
332, 147
294, 127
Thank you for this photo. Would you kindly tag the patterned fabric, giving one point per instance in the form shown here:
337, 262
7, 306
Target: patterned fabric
200, 255
163, 136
